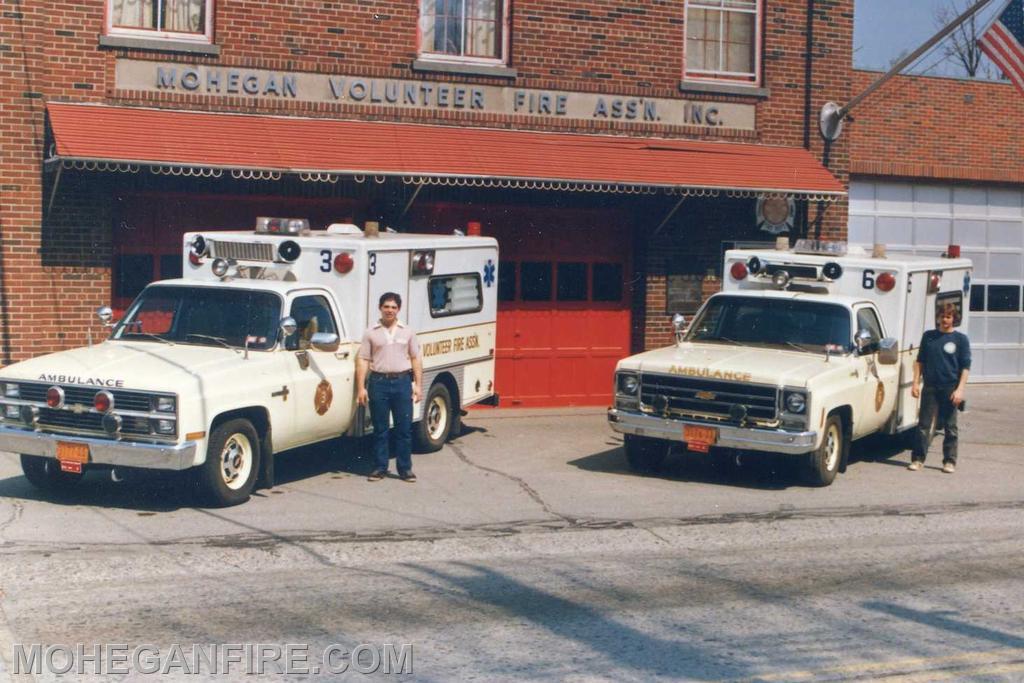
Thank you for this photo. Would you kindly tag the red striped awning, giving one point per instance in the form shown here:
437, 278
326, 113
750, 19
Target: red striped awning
318, 146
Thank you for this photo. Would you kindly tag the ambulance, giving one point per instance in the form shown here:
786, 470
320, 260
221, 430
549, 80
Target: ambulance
253, 352
804, 350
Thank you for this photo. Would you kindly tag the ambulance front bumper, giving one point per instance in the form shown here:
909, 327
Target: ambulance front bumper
102, 451
729, 436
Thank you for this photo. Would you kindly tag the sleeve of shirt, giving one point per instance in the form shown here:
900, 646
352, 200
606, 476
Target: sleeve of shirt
964, 352
365, 352
414, 346
920, 348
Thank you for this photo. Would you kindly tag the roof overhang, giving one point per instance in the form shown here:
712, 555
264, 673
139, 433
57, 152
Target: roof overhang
101, 137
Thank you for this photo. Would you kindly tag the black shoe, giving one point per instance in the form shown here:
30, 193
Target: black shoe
409, 477
377, 475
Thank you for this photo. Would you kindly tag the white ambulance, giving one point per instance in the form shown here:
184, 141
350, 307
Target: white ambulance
802, 352
253, 352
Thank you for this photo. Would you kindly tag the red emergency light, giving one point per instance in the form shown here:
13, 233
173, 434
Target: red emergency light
738, 271
343, 263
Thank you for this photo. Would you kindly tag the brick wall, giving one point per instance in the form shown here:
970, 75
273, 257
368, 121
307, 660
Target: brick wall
938, 128
55, 274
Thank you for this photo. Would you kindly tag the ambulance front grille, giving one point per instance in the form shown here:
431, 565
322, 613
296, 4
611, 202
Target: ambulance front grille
242, 251
698, 396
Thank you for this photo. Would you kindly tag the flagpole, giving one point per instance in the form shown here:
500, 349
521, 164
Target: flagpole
994, 18
832, 114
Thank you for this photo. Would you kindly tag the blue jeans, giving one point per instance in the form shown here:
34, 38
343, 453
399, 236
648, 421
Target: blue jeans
391, 397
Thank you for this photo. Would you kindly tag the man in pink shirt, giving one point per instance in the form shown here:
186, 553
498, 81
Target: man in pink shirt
389, 374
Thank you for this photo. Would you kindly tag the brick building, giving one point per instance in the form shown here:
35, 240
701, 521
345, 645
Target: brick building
938, 161
614, 148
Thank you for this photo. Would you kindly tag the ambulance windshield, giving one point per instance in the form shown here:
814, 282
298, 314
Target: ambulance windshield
202, 315
806, 325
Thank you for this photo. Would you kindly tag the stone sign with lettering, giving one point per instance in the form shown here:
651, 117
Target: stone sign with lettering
415, 94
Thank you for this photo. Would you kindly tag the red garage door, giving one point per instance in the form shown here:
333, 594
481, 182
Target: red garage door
563, 311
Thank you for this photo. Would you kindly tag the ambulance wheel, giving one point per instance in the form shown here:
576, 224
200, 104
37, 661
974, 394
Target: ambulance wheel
823, 463
431, 432
232, 463
643, 454
45, 474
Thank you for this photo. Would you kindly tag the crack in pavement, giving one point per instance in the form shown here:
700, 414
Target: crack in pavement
262, 540
17, 508
529, 490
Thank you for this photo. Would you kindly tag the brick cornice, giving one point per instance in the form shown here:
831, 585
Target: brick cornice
908, 170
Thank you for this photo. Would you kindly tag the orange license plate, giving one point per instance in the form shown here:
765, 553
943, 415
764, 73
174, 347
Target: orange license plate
699, 438
72, 452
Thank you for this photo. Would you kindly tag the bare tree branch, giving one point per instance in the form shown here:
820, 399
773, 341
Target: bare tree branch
961, 47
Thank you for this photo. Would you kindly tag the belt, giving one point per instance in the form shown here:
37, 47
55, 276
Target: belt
391, 375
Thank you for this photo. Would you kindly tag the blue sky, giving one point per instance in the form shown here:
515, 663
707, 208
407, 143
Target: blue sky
883, 29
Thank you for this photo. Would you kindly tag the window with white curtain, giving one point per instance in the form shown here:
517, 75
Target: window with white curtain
472, 30
455, 294
173, 19
722, 40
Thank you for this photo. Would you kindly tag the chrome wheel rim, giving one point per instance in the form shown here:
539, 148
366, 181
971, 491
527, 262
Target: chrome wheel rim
831, 448
236, 461
437, 417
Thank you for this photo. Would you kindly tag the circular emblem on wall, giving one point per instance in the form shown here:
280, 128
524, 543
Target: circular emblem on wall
324, 396
879, 396
775, 214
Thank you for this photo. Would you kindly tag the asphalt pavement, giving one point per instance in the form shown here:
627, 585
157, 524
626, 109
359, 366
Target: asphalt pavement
527, 550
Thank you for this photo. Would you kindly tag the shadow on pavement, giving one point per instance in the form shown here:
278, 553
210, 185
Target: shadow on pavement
152, 491
759, 471
946, 621
753, 470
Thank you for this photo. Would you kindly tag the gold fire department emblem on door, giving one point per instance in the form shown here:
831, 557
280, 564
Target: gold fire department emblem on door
324, 396
879, 396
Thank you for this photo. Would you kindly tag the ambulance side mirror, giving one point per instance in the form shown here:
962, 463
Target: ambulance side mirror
864, 341
324, 341
105, 314
888, 351
679, 323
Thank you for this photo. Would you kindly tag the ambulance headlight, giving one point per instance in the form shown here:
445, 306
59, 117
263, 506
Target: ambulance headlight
796, 402
832, 270
164, 426
199, 246
12, 412
11, 390
112, 423
289, 251
627, 383
164, 404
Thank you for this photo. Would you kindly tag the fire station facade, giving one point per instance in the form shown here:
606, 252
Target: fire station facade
615, 149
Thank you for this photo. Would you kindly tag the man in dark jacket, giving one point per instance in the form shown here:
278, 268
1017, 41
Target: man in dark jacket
944, 361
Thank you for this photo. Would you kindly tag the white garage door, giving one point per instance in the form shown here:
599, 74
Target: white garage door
988, 224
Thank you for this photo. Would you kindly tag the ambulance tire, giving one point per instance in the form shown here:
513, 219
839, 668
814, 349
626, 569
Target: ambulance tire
430, 433
823, 463
232, 464
45, 474
645, 455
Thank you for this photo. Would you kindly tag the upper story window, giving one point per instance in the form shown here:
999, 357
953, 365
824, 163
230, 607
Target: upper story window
171, 19
463, 30
723, 40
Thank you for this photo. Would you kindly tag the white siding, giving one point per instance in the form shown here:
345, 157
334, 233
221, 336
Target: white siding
987, 223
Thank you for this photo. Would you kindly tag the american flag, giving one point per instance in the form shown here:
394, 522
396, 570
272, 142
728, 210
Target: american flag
1003, 42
